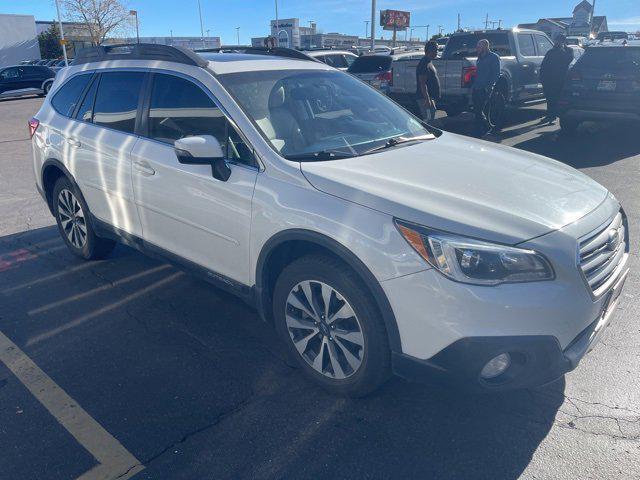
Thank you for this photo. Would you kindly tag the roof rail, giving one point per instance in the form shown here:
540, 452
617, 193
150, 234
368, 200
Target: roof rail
276, 52
139, 51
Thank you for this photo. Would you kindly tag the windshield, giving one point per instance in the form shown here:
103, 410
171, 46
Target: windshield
320, 115
616, 58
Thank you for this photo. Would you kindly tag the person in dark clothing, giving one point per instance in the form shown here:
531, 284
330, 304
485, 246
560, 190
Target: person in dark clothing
428, 85
553, 72
487, 74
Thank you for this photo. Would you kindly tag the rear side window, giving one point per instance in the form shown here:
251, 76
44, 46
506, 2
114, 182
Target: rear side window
527, 47
116, 104
67, 97
85, 112
465, 45
179, 108
544, 45
371, 64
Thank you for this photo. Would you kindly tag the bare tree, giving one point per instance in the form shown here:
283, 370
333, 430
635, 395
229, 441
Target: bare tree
101, 17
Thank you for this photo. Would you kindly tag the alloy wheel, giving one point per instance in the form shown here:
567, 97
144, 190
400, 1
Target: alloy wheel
324, 329
72, 218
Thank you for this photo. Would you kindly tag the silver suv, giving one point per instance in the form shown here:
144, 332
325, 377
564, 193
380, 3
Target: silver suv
374, 243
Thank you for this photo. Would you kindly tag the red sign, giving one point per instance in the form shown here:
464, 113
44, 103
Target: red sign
394, 19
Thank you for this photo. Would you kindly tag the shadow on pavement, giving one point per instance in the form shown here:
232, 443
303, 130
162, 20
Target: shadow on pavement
193, 384
593, 145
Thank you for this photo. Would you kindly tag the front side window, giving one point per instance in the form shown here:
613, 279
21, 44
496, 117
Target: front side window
544, 45
320, 114
179, 108
116, 104
527, 47
67, 97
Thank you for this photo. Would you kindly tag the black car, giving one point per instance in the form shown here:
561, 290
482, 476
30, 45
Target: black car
25, 80
604, 84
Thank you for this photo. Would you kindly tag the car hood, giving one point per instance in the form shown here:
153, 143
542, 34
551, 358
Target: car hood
464, 186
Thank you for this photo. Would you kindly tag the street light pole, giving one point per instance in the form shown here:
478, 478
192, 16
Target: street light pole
135, 14
201, 25
366, 28
373, 24
62, 40
238, 35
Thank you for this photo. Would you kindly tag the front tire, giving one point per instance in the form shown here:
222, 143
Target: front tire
74, 225
497, 111
331, 326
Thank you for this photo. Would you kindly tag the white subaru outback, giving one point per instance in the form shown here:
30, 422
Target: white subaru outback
374, 242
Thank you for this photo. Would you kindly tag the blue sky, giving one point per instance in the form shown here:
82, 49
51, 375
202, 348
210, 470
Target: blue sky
221, 17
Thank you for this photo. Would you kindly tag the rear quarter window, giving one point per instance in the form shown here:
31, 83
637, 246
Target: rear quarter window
67, 97
371, 64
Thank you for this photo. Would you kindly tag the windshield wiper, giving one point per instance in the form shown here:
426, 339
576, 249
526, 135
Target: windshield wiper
321, 155
393, 141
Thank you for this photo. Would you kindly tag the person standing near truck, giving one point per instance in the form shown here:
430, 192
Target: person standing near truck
487, 74
428, 85
553, 72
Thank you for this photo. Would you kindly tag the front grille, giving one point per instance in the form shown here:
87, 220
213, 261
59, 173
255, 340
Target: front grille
602, 252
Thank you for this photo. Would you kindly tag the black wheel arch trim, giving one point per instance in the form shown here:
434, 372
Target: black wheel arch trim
262, 297
56, 163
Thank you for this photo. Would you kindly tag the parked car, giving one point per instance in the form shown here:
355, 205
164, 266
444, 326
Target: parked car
372, 242
521, 52
43, 62
610, 36
340, 59
577, 41
25, 80
577, 52
378, 70
603, 85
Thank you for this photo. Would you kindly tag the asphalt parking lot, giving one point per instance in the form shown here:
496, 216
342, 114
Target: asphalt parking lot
129, 368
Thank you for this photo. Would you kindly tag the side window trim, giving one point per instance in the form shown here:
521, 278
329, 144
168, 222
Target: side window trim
144, 113
95, 77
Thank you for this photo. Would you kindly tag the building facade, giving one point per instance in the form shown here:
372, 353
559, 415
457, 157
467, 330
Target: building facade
76, 34
192, 43
582, 23
18, 39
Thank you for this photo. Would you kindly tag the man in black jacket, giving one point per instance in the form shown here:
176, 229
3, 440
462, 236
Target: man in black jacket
428, 85
553, 72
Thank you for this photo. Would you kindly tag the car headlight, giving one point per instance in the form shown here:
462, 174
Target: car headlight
474, 261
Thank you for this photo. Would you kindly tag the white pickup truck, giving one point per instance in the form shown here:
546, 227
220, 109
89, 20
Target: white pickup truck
521, 53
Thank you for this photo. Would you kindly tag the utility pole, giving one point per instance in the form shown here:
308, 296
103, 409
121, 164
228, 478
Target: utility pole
62, 40
373, 24
366, 28
171, 33
277, 26
238, 35
440, 28
134, 13
201, 26
486, 22
458, 23
427, 39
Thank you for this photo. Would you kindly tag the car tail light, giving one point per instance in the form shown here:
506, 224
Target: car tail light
385, 77
468, 75
33, 126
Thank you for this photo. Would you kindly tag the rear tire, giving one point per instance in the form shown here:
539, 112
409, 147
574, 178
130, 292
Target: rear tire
342, 347
74, 223
45, 88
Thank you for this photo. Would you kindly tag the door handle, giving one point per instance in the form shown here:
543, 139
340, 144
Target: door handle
144, 168
74, 143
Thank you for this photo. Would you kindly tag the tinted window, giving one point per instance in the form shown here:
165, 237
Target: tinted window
117, 100
614, 58
85, 112
179, 108
11, 73
349, 59
527, 47
371, 64
544, 45
66, 98
336, 61
465, 45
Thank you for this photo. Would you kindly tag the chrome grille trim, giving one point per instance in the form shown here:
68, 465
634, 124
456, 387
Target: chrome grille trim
602, 254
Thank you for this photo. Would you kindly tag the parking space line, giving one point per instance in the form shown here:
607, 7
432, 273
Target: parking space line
114, 460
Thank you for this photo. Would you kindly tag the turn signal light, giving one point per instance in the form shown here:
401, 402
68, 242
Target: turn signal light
33, 126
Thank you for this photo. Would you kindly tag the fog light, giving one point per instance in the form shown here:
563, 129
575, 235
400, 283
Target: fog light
496, 366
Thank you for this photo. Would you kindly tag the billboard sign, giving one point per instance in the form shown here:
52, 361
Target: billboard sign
394, 19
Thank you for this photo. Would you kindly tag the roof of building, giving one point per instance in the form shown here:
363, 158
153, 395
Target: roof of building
583, 4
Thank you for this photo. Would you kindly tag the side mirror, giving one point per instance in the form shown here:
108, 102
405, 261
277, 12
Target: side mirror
203, 150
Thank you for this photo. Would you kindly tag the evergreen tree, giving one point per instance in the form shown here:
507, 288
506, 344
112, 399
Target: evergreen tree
49, 42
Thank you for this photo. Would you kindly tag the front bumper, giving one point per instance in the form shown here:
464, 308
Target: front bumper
535, 359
